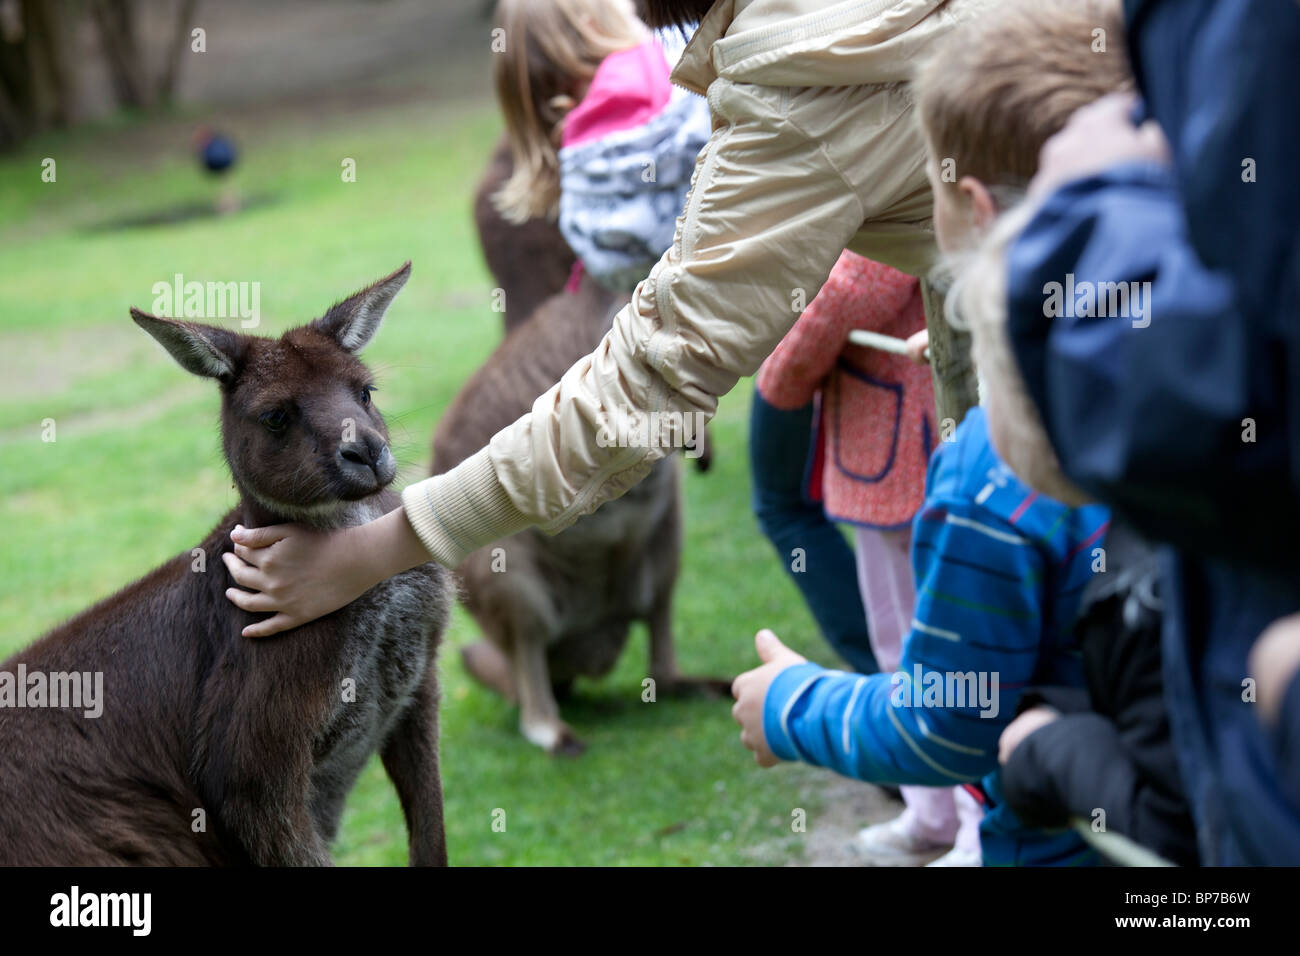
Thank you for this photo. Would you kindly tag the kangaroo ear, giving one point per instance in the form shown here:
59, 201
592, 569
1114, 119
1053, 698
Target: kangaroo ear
202, 349
354, 321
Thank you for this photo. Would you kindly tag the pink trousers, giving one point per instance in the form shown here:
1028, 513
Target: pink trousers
937, 814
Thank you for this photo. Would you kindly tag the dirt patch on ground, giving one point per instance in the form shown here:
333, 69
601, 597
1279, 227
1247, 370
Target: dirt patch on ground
90, 423
844, 807
39, 362
848, 807
44, 362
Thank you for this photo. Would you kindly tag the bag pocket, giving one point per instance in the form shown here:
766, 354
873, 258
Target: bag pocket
865, 421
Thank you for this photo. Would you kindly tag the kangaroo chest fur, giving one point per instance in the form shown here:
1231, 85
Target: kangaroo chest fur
382, 661
386, 642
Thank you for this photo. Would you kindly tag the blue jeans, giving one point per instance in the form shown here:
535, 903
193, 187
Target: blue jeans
779, 445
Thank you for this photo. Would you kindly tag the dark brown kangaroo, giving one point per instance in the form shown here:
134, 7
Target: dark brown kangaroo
214, 748
554, 608
529, 261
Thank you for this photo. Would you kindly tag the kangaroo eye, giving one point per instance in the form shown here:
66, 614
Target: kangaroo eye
365, 393
275, 420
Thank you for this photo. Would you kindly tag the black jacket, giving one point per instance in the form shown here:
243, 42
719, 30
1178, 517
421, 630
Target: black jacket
1112, 750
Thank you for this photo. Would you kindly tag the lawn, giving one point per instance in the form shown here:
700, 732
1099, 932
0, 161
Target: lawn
135, 474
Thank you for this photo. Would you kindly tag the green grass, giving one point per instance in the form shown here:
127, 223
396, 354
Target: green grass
136, 473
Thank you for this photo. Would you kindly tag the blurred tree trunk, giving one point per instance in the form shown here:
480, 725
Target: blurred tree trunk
179, 44
115, 20
38, 66
10, 123
36, 79
16, 107
128, 65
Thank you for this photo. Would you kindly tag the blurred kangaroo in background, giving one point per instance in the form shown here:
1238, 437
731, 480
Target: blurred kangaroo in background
554, 608
529, 261
213, 748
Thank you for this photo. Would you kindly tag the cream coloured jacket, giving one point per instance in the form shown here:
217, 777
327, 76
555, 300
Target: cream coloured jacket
814, 148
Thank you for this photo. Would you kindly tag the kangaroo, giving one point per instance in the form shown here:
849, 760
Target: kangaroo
213, 748
563, 604
529, 261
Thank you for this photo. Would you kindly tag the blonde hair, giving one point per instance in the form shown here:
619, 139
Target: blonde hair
552, 50
1000, 85
977, 301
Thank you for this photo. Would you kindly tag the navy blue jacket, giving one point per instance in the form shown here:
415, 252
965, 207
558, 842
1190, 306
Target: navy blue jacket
1186, 419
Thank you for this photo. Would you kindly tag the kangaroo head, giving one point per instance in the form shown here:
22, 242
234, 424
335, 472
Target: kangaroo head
301, 434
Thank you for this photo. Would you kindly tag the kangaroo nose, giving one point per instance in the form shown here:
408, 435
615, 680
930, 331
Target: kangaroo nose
357, 453
368, 458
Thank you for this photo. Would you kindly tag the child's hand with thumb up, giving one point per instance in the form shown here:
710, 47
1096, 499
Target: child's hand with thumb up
750, 690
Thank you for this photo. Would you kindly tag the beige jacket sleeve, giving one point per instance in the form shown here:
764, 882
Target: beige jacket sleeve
778, 192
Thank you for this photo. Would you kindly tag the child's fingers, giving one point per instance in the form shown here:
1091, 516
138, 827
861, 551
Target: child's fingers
272, 625
259, 537
252, 601
772, 651
1153, 138
768, 645
248, 555
918, 347
245, 575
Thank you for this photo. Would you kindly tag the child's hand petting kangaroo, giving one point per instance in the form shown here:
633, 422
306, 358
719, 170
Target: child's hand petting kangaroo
301, 574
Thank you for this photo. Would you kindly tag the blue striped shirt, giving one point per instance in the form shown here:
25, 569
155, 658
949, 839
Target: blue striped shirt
999, 572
